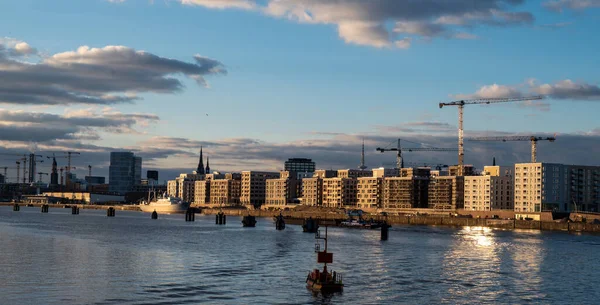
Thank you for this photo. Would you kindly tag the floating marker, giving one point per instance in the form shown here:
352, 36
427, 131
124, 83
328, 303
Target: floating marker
44, 208
16, 207
110, 212
154, 215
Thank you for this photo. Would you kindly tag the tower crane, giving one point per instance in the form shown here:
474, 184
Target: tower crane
18, 170
399, 150
532, 139
40, 173
436, 166
461, 104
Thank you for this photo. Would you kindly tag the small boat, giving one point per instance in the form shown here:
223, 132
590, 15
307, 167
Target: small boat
164, 204
324, 281
361, 224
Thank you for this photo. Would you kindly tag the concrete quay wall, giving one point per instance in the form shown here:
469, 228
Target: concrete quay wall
508, 224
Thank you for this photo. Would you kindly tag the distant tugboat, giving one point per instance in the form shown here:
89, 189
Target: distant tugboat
324, 281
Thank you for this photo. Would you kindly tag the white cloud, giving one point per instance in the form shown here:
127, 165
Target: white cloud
568, 89
560, 5
371, 22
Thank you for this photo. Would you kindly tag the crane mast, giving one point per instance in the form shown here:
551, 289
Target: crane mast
461, 104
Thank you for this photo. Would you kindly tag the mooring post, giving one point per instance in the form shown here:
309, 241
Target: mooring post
384, 230
189, 215
154, 215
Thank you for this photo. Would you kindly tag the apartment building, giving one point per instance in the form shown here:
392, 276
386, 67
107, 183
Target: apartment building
353, 173
325, 173
339, 192
202, 192
556, 187
540, 187
312, 191
225, 191
446, 192
491, 191
254, 187
584, 187
183, 186
385, 172
283, 190
369, 191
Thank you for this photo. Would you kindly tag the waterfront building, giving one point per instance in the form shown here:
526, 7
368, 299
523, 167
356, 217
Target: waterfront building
281, 191
446, 192
415, 172
385, 172
312, 191
183, 187
556, 187
125, 171
369, 192
202, 191
353, 173
469, 170
491, 191
405, 192
325, 173
226, 191
299, 165
254, 187
339, 192
540, 187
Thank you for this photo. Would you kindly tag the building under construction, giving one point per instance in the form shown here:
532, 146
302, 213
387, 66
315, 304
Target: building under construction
405, 192
446, 192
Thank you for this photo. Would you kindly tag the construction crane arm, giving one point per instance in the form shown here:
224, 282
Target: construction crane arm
513, 138
490, 101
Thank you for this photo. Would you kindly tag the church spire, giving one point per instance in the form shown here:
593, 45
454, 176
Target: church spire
207, 166
200, 169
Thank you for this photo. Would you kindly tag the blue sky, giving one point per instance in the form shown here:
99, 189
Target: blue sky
289, 78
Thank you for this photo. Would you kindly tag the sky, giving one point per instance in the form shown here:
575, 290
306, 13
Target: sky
258, 81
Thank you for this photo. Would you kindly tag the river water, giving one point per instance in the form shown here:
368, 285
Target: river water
59, 258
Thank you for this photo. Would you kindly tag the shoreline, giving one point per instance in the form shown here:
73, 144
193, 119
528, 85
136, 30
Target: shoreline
297, 217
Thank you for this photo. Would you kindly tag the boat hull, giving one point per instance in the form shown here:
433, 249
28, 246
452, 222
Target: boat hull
165, 209
315, 286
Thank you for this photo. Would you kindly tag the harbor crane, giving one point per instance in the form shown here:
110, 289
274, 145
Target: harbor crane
399, 150
461, 105
532, 139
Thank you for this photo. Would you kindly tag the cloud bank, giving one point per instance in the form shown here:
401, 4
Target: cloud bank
93, 76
